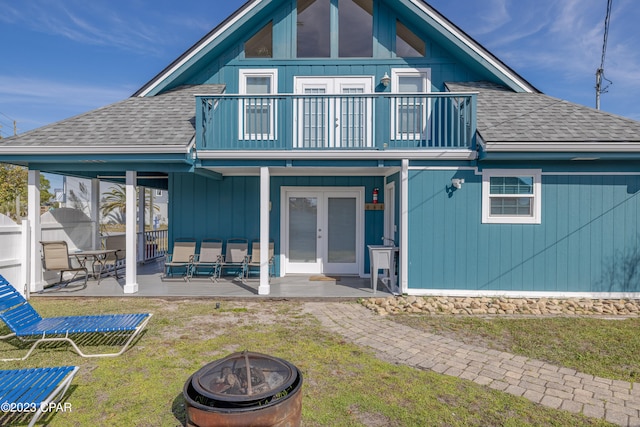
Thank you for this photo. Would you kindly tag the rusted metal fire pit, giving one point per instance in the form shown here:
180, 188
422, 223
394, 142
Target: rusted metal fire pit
244, 389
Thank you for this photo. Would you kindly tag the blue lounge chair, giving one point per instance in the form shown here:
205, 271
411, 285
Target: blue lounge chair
33, 390
27, 325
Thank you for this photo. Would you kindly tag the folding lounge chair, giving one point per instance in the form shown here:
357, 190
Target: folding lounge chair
55, 256
209, 259
235, 255
33, 390
27, 325
184, 251
253, 260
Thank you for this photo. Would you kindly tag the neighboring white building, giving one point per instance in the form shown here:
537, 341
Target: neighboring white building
76, 193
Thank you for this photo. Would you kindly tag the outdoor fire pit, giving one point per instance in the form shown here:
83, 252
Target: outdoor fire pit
244, 389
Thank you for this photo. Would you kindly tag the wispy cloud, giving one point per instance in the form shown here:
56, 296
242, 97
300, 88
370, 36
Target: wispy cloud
93, 22
36, 102
47, 91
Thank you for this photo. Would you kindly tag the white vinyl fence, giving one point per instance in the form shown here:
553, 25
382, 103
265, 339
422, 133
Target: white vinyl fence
14, 247
71, 225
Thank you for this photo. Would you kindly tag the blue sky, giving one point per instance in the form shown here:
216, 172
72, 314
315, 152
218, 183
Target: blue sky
65, 57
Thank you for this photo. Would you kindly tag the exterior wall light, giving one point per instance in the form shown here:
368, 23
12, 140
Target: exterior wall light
385, 80
457, 182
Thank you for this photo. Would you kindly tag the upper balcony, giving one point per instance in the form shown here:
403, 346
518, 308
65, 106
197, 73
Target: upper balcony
435, 121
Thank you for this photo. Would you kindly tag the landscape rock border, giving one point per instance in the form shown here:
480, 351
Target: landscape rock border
440, 305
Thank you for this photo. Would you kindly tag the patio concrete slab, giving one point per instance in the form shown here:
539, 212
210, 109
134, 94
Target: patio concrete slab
152, 284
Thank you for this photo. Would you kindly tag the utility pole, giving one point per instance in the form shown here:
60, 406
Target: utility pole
598, 86
600, 72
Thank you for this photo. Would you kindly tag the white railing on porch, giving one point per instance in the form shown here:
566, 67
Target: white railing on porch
156, 244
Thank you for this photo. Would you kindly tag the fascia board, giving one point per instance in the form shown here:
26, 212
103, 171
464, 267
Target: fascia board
558, 147
93, 149
340, 155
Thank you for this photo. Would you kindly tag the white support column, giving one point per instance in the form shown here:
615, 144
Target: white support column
95, 214
131, 270
404, 226
33, 215
142, 246
265, 287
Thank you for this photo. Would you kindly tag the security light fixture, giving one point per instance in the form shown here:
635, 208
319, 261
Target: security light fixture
457, 182
385, 80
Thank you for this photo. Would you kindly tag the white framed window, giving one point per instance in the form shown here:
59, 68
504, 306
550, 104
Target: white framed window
158, 193
410, 113
511, 196
258, 115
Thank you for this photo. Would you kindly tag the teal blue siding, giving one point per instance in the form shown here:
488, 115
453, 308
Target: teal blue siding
205, 208
221, 64
588, 240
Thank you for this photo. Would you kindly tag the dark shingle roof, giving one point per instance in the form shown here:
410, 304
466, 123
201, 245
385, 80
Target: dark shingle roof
505, 116
167, 119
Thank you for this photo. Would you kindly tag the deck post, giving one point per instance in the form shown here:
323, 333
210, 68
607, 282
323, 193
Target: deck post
33, 214
142, 242
131, 266
96, 243
265, 287
404, 226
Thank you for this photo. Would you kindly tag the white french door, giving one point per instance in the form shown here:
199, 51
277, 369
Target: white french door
323, 121
322, 230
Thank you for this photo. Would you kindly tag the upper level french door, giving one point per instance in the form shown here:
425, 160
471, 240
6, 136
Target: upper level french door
333, 122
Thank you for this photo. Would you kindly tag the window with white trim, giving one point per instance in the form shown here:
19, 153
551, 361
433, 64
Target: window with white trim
511, 196
257, 114
410, 115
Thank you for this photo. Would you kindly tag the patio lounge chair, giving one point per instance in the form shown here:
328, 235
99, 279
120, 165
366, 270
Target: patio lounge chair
235, 254
55, 257
253, 260
27, 325
184, 250
33, 390
209, 259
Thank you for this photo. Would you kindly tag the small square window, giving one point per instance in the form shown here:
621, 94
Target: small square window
511, 197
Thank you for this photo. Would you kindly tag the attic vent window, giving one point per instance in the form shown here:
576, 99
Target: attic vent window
314, 28
407, 43
317, 20
261, 44
355, 18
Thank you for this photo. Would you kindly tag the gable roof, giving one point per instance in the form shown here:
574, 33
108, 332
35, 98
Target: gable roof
512, 121
448, 31
163, 123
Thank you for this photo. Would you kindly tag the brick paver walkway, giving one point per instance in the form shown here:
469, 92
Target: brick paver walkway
554, 386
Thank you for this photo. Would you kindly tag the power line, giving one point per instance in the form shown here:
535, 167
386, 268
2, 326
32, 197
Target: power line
12, 124
600, 72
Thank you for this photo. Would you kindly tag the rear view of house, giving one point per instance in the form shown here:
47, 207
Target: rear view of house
327, 126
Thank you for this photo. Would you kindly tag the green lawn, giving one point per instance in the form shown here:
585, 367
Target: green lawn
344, 385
